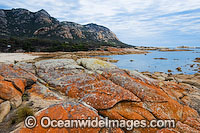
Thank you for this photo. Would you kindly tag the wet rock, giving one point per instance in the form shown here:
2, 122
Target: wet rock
179, 69
192, 65
197, 60
4, 109
160, 58
113, 61
169, 71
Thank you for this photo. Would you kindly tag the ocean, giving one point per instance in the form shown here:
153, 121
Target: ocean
142, 62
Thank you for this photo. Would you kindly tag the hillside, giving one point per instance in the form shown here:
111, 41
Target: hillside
24, 24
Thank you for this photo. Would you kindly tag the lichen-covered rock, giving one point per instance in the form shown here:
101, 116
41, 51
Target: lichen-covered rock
74, 81
184, 128
99, 88
141, 77
9, 92
13, 81
183, 93
26, 66
195, 123
142, 90
56, 64
156, 102
4, 109
42, 97
64, 111
95, 64
167, 130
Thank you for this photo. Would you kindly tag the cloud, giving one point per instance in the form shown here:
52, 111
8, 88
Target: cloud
137, 22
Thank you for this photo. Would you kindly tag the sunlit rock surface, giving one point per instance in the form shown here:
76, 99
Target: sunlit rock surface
69, 89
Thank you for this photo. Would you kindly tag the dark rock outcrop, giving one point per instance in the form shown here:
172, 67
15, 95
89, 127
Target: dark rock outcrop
24, 23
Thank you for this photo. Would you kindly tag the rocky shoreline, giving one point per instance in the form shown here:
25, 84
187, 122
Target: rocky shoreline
68, 86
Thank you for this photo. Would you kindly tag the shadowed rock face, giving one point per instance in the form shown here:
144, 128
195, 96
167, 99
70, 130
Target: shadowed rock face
97, 88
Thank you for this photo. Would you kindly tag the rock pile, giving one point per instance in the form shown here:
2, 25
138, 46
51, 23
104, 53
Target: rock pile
69, 89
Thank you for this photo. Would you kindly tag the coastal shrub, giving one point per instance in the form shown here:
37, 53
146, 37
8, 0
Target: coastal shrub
21, 114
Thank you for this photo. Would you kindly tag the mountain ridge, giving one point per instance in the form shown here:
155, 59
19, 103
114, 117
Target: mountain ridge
23, 23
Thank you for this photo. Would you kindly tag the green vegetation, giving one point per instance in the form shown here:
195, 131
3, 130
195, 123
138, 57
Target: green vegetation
21, 114
13, 44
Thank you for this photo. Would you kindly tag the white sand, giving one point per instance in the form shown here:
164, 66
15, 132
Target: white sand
9, 58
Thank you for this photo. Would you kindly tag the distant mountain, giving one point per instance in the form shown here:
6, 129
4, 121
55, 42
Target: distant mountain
23, 23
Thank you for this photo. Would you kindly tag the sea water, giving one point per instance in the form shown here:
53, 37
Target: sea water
146, 62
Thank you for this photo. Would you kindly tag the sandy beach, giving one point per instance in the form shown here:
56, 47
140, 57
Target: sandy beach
9, 58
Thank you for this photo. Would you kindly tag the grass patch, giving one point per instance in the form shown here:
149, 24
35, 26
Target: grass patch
21, 114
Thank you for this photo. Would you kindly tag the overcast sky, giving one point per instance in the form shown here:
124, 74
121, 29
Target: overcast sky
136, 22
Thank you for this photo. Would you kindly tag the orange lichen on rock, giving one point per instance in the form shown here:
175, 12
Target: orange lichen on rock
142, 90
39, 90
64, 111
1, 78
184, 128
92, 88
106, 92
13, 81
20, 84
8, 91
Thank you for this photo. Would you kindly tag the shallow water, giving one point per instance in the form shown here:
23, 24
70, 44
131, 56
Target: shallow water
147, 62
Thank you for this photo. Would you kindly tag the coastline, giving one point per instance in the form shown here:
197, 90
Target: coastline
74, 83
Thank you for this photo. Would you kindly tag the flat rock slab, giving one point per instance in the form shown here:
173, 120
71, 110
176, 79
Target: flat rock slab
68, 77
